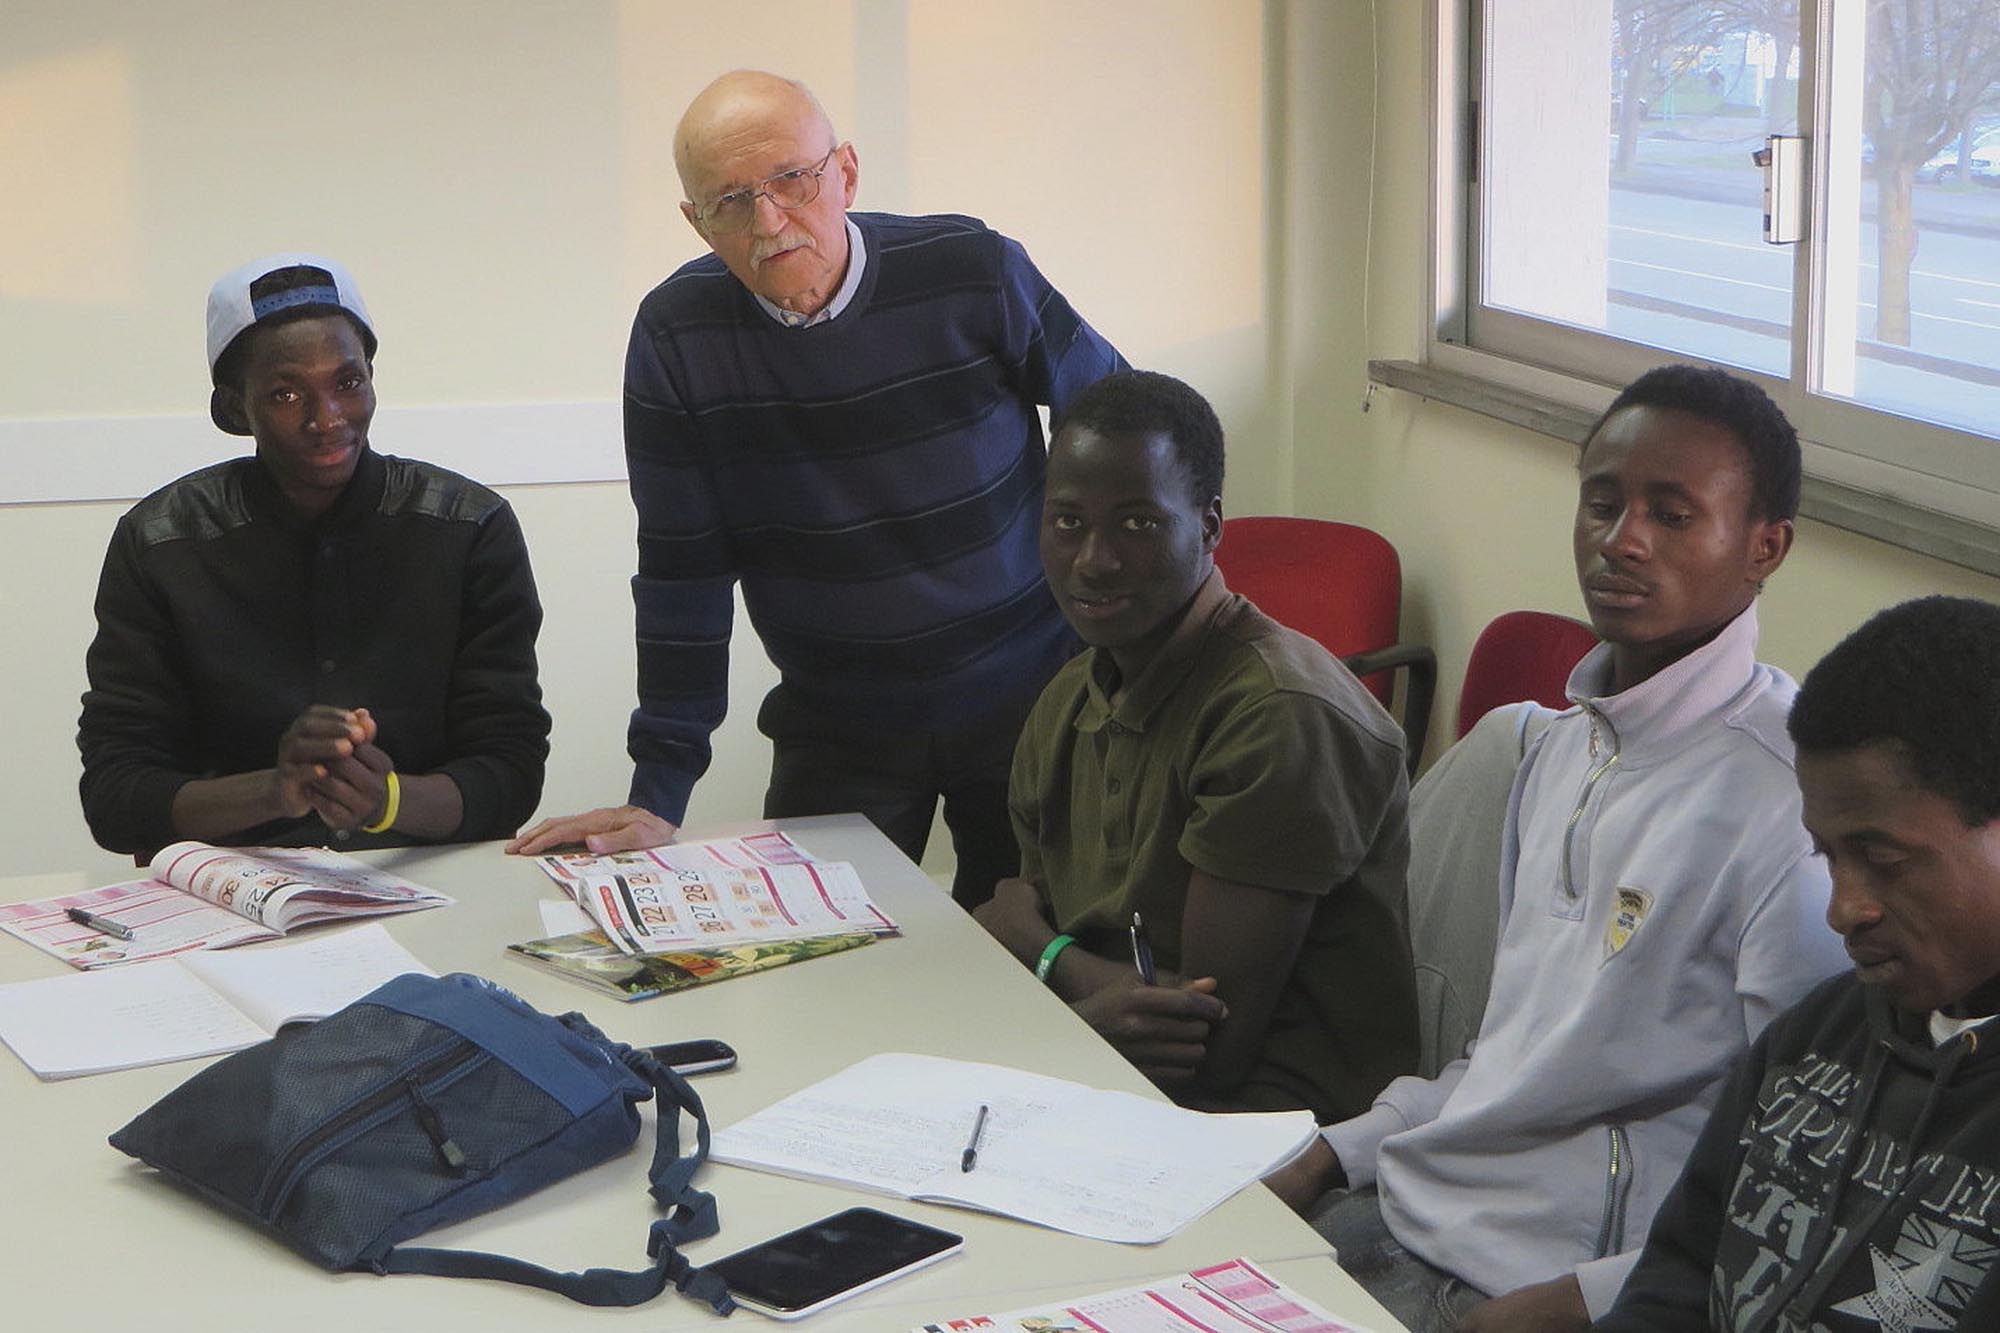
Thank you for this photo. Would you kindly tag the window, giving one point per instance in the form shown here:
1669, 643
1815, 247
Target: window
1611, 218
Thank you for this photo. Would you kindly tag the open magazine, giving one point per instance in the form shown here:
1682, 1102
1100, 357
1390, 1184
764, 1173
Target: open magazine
772, 847
1236, 1296
718, 894
204, 897
587, 956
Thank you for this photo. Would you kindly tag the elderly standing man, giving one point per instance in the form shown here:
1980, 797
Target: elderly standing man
839, 411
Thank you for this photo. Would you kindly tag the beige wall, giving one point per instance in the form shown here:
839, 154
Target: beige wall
1196, 175
498, 177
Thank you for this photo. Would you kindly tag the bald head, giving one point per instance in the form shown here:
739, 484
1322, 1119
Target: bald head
745, 131
743, 105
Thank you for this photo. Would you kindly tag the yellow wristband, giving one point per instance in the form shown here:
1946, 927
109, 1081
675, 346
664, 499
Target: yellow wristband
390, 806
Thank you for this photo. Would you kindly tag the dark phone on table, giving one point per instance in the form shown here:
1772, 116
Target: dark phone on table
695, 1057
804, 1271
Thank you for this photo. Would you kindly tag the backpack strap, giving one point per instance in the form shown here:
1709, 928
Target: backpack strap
692, 1217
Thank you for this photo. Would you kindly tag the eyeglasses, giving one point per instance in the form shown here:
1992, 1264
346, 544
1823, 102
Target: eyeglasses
796, 188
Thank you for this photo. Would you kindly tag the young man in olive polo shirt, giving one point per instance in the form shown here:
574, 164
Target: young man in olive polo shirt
1212, 772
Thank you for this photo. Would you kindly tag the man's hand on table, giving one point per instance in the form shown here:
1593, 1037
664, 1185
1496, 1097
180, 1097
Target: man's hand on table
620, 828
1300, 1182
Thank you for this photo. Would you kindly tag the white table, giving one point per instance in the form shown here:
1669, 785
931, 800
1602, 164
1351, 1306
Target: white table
93, 1240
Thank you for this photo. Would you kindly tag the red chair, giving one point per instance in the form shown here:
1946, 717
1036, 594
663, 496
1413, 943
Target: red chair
1521, 655
1341, 585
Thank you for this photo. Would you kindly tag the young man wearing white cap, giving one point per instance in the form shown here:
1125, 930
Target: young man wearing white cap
315, 643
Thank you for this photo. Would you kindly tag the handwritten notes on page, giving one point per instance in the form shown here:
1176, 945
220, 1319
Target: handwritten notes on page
1111, 1165
194, 1005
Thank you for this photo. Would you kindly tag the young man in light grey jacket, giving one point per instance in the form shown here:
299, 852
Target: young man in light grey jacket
1659, 901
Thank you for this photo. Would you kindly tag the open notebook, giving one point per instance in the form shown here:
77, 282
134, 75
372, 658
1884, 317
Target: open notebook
1113, 1165
192, 1005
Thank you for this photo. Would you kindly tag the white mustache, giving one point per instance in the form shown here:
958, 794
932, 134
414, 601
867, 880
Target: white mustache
783, 241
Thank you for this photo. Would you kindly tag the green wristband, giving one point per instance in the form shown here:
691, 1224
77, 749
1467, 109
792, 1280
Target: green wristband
1046, 963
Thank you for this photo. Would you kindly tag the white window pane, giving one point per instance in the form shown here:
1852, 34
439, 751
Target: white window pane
1618, 192
1912, 269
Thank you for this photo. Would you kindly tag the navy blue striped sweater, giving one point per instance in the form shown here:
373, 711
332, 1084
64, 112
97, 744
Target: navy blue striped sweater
874, 482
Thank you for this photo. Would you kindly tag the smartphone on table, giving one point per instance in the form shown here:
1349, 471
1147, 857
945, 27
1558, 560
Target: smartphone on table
695, 1057
804, 1271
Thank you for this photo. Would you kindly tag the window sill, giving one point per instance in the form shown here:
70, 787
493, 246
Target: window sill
1885, 517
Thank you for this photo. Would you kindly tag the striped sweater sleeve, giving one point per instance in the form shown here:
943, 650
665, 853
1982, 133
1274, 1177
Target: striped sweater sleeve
682, 592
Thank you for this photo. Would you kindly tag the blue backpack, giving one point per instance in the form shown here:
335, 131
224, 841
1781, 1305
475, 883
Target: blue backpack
430, 1100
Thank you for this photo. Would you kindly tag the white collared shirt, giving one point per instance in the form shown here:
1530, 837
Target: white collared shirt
1944, 1027
857, 259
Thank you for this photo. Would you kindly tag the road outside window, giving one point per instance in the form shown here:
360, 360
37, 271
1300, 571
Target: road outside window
1617, 195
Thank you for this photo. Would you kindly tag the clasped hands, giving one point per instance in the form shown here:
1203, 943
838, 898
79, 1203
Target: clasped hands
1163, 1029
328, 763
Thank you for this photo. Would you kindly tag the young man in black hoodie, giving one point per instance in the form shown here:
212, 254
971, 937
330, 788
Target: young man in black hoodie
1850, 1176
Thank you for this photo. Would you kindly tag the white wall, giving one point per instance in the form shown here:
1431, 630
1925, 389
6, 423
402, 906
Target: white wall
498, 176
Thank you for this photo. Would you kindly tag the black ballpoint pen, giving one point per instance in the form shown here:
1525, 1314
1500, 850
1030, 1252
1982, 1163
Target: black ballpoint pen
1142, 952
970, 1157
102, 925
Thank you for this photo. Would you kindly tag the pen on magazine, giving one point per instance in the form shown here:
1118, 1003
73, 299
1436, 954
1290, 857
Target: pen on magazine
1142, 952
102, 925
970, 1157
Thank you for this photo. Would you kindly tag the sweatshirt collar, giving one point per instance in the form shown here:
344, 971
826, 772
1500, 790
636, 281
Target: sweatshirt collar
1910, 1038
1144, 697
1677, 699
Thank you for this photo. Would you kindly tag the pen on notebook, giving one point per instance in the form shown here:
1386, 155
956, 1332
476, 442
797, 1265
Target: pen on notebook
1142, 952
970, 1157
102, 925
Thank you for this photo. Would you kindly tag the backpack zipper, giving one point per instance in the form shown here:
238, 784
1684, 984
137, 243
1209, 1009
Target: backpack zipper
450, 1156
408, 1087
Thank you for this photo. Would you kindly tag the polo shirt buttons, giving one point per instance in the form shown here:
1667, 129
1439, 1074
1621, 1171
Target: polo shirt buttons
1111, 785
326, 667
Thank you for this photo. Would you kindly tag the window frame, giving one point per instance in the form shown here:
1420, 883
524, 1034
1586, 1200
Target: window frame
1915, 484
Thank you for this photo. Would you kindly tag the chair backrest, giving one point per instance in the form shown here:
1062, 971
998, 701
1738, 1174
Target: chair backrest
1521, 655
1334, 582
1458, 811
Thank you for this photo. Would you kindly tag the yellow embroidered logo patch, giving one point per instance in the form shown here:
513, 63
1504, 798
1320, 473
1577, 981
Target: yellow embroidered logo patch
1626, 917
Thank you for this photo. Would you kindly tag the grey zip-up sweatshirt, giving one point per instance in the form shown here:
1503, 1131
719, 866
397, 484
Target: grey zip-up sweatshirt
1659, 904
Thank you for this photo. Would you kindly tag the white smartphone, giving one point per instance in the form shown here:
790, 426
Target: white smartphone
804, 1271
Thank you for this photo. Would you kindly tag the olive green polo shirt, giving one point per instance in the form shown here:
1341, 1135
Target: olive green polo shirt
1248, 751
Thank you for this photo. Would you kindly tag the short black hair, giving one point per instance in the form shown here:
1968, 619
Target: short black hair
1925, 677
1145, 402
233, 362
1769, 441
